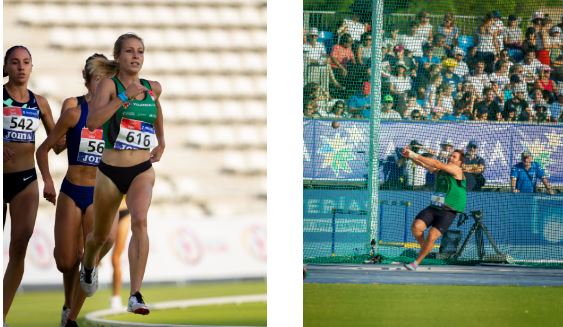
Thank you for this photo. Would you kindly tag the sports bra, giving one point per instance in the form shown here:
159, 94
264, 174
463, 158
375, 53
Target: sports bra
84, 147
21, 120
132, 126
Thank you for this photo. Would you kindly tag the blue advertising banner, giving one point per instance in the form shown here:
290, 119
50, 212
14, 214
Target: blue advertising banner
341, 152
526, 226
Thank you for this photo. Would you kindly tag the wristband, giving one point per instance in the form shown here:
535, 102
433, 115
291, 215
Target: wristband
123, 96
413, 155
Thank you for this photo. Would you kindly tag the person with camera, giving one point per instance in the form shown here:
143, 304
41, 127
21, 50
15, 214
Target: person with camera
473, 168
448, 199
415, 177
525, 175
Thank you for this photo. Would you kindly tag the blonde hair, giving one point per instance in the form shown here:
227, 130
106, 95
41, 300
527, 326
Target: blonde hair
118, 45
102, 65
99, 65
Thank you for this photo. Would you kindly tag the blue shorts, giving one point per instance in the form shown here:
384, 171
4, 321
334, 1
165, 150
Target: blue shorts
83, 196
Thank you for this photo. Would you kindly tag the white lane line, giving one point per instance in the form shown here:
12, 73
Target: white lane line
95, 317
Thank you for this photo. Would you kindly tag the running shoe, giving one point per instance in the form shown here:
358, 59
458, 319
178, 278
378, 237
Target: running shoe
411, 266
137, 305
115, 302
89, 287
64, 316
71, 323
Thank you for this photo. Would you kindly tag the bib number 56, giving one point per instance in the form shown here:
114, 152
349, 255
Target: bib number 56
95, 146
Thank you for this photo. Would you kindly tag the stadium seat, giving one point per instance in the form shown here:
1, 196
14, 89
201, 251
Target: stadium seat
257, 162
163, 190
255, 110
249, 136
233, 162
230, 16
210, 111
233, 110
465, 41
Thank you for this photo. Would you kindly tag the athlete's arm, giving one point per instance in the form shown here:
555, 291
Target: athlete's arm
106, 102
434, 165
416, 158
156, 153
68, 103
47, 119
67, 120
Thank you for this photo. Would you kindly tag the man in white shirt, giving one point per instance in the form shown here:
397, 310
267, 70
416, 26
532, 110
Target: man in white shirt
415, 174
412, 42
531, 67
479, 78
461, 69
314, 52
316, 68
353, 27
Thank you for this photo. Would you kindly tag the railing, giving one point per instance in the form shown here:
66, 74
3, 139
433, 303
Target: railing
329, 20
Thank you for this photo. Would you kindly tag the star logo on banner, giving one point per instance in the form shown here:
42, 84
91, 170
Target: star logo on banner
358, 137
336, 153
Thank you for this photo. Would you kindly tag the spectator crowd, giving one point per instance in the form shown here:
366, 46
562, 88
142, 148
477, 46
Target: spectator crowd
509, 70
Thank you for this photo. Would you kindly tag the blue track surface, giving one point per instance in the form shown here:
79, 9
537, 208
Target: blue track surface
434, 275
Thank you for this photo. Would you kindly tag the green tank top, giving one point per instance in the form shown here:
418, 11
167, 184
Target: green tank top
132, 126
450, 192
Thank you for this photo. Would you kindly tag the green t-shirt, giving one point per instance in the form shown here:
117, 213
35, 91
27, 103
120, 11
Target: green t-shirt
450, 192
132, 125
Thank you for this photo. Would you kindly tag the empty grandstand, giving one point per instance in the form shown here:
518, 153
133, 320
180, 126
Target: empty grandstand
209, 56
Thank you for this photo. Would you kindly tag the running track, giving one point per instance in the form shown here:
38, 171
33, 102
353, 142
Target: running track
434, 275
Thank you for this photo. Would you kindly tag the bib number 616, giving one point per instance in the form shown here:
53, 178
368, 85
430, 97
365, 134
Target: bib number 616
137, 138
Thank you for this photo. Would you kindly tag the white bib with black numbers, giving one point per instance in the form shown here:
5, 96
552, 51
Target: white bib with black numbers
135, 135
438, 199
91, 146
20, 124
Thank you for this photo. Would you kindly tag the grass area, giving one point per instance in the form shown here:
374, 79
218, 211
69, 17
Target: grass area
245, 314
43, 308
430, 305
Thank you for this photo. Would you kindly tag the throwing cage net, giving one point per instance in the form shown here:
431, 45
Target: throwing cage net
482, 77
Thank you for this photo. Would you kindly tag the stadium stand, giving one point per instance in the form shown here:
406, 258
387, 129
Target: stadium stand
209, 56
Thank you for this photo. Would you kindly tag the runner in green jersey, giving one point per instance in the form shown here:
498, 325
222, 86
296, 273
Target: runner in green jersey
128, 109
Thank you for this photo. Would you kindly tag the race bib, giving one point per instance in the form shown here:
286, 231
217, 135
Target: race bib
20, 124
135, 135
91, 146
438, 199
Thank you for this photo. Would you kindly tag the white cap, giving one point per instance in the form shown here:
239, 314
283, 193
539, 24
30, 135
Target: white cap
459, 50
313, 31
537, 14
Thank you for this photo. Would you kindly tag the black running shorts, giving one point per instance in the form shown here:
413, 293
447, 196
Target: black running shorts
438, 218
